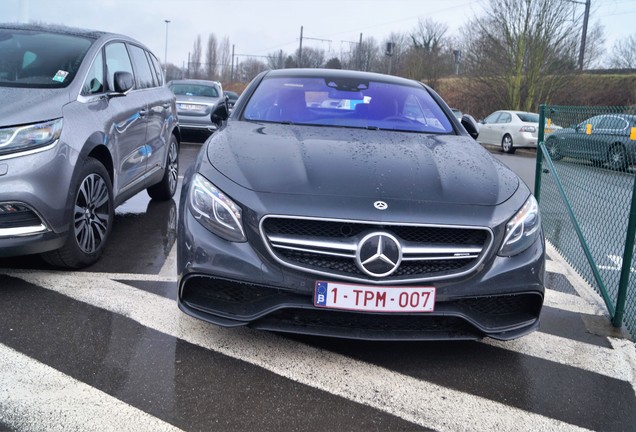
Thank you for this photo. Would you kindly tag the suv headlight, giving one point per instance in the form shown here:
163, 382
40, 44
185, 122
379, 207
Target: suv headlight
523, 229
23, 138
215, 210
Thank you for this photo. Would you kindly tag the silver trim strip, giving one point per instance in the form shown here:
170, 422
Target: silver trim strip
24, 231
343, 248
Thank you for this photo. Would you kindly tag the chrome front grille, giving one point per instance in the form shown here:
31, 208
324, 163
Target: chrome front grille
328, 247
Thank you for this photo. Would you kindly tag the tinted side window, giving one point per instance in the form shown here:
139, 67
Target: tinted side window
505, 118
492, 118
157, 66
117, 60
612, 122
94, 82
145, 76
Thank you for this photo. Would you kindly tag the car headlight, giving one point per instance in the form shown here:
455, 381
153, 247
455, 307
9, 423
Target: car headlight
523, 229
23, 138
215, 210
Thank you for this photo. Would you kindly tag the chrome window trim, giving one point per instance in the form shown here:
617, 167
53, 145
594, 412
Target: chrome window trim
410, 248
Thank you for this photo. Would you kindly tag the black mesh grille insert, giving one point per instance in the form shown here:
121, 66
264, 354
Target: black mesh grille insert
317, 231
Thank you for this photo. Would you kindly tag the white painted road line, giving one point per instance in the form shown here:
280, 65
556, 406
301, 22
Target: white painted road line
416, 401
35, 397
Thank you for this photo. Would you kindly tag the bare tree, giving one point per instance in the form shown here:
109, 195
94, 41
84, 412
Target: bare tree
211, 57
225, 59
312, 57
395, 60
195, 59
517, 45
429, 56
594, 47
250, 68
333, 63
276, 60
624, 53
364, 57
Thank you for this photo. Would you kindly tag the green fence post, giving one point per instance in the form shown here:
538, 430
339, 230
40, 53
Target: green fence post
539, 162
628, 254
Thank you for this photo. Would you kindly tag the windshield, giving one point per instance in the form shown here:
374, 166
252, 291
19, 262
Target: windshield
346, 102
194, 90
38, 59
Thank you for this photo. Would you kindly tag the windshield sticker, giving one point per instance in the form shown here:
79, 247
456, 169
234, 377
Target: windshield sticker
60, 76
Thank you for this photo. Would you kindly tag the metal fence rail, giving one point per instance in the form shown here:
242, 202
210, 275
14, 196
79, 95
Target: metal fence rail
585, 184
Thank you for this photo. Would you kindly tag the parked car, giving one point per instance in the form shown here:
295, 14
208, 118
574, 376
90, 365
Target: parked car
510, 129
602, 139
357, 223
232, 96
196, 99
85, 124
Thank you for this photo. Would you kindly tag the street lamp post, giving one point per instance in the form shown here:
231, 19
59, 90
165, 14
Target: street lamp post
165, 58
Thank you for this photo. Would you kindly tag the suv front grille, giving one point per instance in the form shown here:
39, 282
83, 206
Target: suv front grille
329, 247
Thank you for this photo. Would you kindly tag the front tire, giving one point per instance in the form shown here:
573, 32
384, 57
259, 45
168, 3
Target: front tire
553, 149
617, 157
166, 188
92, 219
507, 145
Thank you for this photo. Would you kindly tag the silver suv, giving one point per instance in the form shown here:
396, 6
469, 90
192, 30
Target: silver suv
86, 122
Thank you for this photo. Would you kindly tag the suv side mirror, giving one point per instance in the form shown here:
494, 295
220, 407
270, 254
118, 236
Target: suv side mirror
220, 114
470, 125
124, 81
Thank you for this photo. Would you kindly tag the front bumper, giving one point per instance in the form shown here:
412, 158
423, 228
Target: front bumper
188, 120
235, 284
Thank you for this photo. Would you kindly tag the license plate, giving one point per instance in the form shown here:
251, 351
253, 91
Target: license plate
335, 295
191, 107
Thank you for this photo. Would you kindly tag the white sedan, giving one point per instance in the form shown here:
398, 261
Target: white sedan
510, 129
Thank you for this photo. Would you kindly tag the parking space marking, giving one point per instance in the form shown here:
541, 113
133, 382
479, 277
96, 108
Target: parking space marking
36, 397
411, 399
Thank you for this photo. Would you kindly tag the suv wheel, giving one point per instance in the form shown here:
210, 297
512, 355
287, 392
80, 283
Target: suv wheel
92, 219
165, 189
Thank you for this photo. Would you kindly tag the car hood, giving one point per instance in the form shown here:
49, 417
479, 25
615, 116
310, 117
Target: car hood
309, 160
28, 105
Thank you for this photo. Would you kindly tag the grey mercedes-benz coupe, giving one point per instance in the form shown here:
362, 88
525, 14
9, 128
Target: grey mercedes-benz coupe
355, 205
85, 124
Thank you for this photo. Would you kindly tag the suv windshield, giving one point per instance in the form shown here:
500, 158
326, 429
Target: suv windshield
39, 59
342, 102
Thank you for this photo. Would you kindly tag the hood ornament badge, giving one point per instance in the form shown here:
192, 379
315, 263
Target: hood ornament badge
380, 205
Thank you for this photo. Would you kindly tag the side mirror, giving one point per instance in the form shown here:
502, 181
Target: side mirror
124, 81
470, 125
220, 114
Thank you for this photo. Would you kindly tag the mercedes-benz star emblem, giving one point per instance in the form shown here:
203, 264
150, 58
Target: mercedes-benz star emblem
380, 205
379, 254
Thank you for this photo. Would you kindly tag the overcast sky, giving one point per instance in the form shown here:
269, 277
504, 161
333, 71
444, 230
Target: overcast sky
260, 27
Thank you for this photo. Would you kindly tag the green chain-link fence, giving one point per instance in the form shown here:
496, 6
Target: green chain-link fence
585, 183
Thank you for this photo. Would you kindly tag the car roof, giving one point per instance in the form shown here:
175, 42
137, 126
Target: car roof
59, 29
341, 73
194, 81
